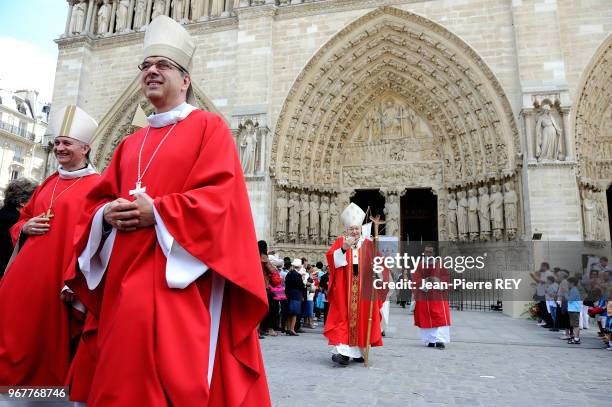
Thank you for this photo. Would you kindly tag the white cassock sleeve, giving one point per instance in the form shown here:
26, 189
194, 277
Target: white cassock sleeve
340, 258
91, 262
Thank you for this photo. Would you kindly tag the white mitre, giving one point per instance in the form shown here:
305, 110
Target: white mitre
167, 38
352, 216
72, 121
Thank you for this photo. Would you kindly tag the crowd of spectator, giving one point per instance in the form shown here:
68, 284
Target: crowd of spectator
570, 303
297, 294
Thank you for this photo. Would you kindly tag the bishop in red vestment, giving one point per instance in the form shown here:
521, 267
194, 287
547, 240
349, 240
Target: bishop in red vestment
431, 312
350, 287
36, 326
167, 255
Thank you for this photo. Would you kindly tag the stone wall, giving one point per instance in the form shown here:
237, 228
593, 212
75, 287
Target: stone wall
247, 62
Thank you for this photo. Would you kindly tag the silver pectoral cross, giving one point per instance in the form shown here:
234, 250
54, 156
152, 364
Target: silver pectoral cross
139, 189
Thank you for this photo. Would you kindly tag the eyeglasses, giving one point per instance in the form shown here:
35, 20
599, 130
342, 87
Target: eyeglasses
161, 65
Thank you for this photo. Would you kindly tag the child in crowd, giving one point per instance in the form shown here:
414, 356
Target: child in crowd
552, 287
574, 306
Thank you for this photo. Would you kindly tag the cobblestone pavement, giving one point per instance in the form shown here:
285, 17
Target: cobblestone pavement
493, 360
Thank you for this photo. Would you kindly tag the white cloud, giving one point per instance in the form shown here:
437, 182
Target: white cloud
25, 66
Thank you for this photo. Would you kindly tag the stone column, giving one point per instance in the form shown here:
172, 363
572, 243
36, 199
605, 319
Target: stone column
130, 16
88, 23
568, 144
528, 115
263, 146
70, 6
111, 27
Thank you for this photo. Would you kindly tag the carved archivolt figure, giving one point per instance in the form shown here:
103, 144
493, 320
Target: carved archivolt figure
484, 214
281, 216
462, 215
497, 211
294, 216
548, 136
77, 19
314, 219
473, 214
104, 13
452, 217
510, 210
325, 212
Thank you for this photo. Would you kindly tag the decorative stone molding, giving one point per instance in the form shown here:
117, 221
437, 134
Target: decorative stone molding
413, 174
592, 117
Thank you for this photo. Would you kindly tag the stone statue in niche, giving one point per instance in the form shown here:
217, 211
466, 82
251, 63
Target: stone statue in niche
304, 212
248, 147
281, 216
484, 214
392, 215
497, 212
548, 136
196, 9
178, 8
510, 210
139, 15
473, 214
324, 210
334, 221
294, 216
462, 216
217, 8
159, 9
589, 213
314, 219
104, 13
77, 19
452, 217
122, 16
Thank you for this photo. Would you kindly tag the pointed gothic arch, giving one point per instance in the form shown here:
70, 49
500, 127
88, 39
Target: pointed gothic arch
394, 51
117, 123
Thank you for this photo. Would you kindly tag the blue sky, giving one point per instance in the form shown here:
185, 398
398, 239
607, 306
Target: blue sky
27, 31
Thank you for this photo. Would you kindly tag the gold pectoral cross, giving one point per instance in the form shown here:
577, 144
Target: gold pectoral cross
49, 214
138, 190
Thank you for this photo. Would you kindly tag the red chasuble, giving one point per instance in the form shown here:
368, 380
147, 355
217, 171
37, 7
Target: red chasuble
348, 296
152, 340
431, 309
35, 324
